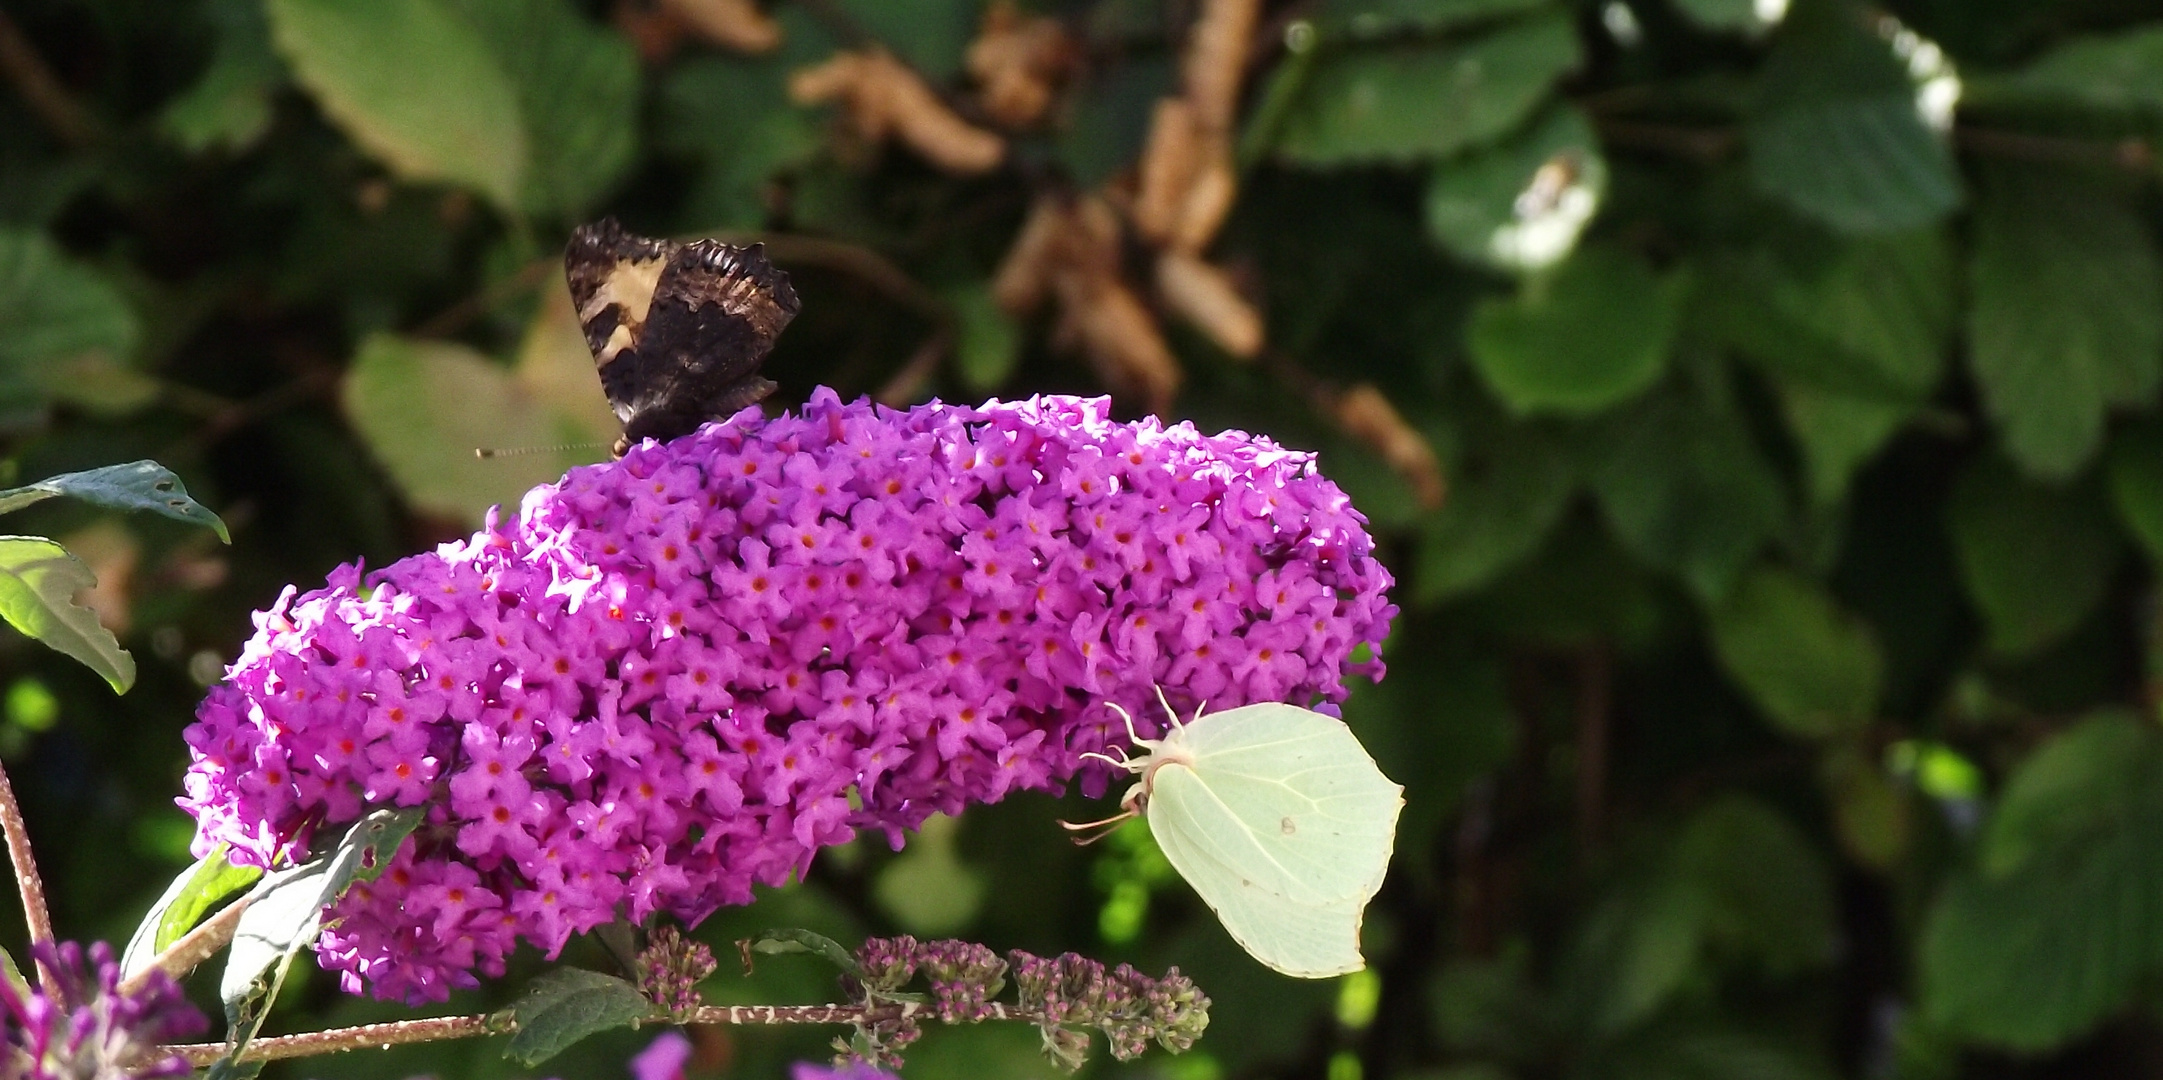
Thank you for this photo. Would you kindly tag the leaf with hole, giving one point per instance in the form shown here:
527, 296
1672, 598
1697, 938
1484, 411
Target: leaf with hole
137, 485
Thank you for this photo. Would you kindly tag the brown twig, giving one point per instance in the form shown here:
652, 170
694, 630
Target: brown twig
240, 414
901, 389
2133, 154
437, 1029
35, 914
194, 947
461, 314
42, 90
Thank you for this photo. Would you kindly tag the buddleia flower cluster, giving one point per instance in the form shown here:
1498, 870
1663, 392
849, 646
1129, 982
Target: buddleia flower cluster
87, 1029
680, 674
1068, 995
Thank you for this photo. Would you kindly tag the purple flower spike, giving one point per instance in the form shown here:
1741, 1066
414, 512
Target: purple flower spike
804, 1070
90, 1030
663, 683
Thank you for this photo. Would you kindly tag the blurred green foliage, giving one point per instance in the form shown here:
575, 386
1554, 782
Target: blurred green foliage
1775, 692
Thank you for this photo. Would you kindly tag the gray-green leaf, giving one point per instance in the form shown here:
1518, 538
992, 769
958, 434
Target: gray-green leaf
577, 86
137, 485
414, 85
286, 915
38, 583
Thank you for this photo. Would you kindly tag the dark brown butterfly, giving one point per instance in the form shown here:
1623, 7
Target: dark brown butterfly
678, 331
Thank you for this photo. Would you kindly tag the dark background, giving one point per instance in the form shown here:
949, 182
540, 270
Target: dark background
1775, 688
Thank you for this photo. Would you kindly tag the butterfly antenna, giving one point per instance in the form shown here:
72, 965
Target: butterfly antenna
1168, 710
1119, 762
1106, 827
1129, 718
487, 452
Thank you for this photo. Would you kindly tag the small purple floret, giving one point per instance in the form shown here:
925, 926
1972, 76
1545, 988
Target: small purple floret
662, 684
90, 1030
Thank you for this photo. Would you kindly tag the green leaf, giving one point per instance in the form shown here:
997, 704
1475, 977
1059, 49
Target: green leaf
578, 90
1685, 488
1769, 893
2072, 925
424, 407
733, 118
1750, 17
2136, 483
1520, 205
229, 107
1835, 133
1813, 669
2080, 785
1107, 117
38, 583
1506, 493
786, 941
1379, 18
137, 485
1634, 951
55, 309
198, 888
988, 343
1590, 334
2036, 560
286, 916
1409, 102
414, 85
2067, 318
928, 889
566, 1005
931, 35
2121, 70
1837, 435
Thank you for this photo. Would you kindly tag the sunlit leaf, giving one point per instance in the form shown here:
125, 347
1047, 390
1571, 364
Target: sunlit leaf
577, 87
137, 485
424, 407
38, 583
1588, 335
2035, 559
567, 1004
1813, 669
1425, 100
2067, 314
198, 888
414, 85
927, 889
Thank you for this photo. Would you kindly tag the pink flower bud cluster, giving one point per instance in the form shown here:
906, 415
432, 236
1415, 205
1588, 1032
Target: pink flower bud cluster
88, 1029
682, 673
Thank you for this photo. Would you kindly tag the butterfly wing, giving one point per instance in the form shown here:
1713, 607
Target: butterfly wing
1287, 798
1303, 940
678, 331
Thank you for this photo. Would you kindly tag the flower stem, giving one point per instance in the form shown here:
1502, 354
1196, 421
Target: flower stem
35, 914
436, 1029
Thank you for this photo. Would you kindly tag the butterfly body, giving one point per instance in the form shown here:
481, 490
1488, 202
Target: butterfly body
678, 331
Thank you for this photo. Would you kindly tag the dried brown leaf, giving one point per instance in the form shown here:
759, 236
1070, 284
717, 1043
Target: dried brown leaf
731, 24
1216, 60
883, 96
1368, 416
1170, 160
1019, 62
1204, 296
